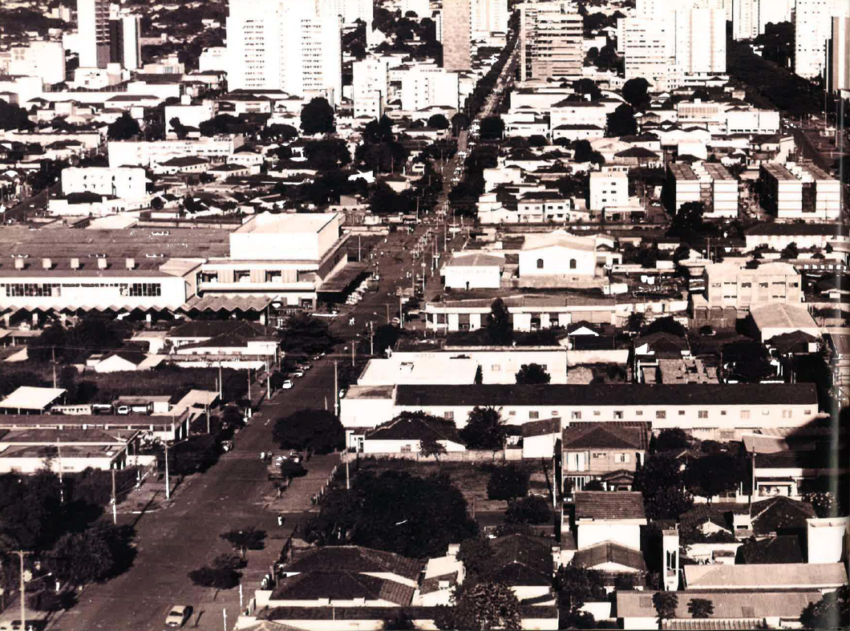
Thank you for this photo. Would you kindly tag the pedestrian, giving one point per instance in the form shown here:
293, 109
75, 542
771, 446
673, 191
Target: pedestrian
262, 455
280, 520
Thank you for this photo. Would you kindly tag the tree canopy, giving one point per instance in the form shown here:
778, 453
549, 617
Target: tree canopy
635, 91
481, 606
533, 374
306, 335
309, 430
534, 510
500, 329
317, 117
832, 612
717, 473
492, 128
394, 511
484, 429
507, 482
124, 128
622, 122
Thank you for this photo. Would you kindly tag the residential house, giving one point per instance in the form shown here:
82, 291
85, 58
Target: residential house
526, 564
405, 435
592, 451
821, 577
602, 517
129, 360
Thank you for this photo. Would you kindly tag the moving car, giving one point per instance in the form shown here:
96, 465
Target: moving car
177, 617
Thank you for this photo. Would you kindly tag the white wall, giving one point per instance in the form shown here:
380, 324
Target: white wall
472, 277
556, 262
592, 533
127, 183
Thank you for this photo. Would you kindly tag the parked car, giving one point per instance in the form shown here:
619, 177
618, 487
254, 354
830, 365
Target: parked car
178, 615
296, 373
342, 393
287, 384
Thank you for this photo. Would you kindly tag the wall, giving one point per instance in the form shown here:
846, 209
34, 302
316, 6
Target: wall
592, 533
556, 262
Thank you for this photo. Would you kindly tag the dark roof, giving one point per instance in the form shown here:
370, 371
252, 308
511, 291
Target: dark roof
541, 428
791, 229
636, 152
662, 341
718, 513
602, 436
378, 613
522, 560
415, 429
782, 549
603, 505
355, 559
214, 328
609, 552
341, 586
607, 394
133, 357
793, 342
185, 161
780, 515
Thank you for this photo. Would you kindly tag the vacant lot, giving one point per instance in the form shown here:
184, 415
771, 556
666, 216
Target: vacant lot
471, 478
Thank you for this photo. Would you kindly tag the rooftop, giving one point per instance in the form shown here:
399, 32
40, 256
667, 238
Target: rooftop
781, 315
609, 552
31, 398
602, 436
728, 605
765, 576
267, 223
609, 506
355, 559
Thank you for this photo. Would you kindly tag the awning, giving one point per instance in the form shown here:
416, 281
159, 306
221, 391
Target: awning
340, 281
227, 303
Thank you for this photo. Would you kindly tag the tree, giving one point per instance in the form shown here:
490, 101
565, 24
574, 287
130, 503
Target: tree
394, 511
577, 585
533, 510
377, 131
587, 87
831, 612
492, 128
124, 128
476, 554
438, 121
635, 321
484, 430
622, 122
583, 152
791, 251
659, 479
309, 430
507, 482
327, 155
290, 469
499, 326
217, 578
537, 141
532, 374
668, 502
481, 606
317, 117
178, 128
635, 92
749, 362
687, 219
14, 117
459, 121
594, 485
701, 608
667, 324
245, 539
81, 558
429, 446
665, 604
672, 439
681, 253
385, 337
306, 335
714, 474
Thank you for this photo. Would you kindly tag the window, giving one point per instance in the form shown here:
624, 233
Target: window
496, 368
533, 415
576, 416
681, 412
555, 414
807, 411
722, 412
745, 414
406, 449
598, 455
449, 416
512, 413
621, 458
572, 263
145, 289
539, 263
618, 415
765, 412
661, 414
703, 414
638, 412
597, 413
786, 413
242, 276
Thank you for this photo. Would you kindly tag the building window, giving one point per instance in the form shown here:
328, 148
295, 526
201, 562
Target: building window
145, 289
449, 416
496, 368
534, 415
621, 458
618, 415
406, 449
576, 416
572, 263
661, 414
703, 414
786, 413
638, 412
745, 414
539, 263
681, 412
597, 455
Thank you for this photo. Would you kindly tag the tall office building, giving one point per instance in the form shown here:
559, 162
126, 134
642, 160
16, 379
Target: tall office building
812, 29
124, 43
457, 35
93, 29
550, 40
649, 52
839, 55
489, 16
745, 19
701, 40
369, 87
280, 45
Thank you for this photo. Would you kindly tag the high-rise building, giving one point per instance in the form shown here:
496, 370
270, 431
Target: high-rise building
489, 16
457, 35
839, 55
280, 45
550, 40
745, 19
701, 40
812, 29
649, 52
369, 87
93, 29
124, 44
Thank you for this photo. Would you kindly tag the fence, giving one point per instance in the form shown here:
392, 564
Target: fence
474, 455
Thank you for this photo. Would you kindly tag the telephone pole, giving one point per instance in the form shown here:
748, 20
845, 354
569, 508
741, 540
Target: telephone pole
220, 383
336, 390
167, 481
249, 386
21, 554
53, 364
114, 499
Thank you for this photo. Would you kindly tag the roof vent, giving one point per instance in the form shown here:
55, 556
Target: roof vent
131, 263
20, 263
46, 264
75, 263
102, 263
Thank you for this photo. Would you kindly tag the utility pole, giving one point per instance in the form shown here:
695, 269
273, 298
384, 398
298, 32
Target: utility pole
53, 364
353, 350
358, 248
400, 314
59, 458
167, 481
371, 338
268, 381
336, 390
224, 615
387, 305
207, 410
114, 499
220, 383
249, 385
21, 554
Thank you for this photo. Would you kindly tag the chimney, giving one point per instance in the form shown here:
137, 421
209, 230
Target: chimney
20, 263
46, 264
102, 263
131, 263
75, 263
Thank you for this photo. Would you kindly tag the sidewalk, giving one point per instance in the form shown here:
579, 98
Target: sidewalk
298, 497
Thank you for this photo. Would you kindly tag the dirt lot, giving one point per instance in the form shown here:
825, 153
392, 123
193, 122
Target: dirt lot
470, 477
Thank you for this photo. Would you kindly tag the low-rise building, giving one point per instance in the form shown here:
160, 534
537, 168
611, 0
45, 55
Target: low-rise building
706, 182
128, 182
473, 270
593, 450
146, 154
745, 288
799, 191
609, 188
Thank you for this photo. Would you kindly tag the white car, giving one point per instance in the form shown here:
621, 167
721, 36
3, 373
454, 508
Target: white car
177, 617
342, 393
287, 384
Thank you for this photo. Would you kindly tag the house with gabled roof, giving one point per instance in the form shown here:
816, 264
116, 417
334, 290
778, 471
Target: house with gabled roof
593, 450
526, 564
405, 433
602, 516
